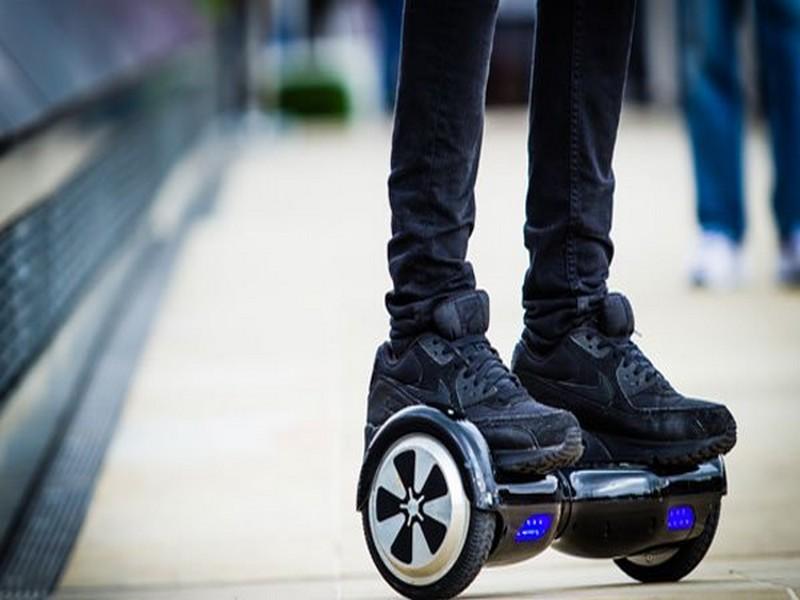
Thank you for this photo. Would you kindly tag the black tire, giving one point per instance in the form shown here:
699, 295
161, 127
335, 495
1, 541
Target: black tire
687, 556
474, 553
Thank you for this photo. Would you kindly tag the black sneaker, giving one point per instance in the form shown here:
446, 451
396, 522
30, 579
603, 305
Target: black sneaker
457, 370
628, 410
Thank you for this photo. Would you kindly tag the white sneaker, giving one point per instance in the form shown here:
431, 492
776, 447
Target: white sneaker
717, 262
789, 261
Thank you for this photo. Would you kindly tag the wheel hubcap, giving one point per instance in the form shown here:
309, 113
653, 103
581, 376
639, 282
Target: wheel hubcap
418, 512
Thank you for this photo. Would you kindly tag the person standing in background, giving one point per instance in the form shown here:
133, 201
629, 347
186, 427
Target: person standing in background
714, 108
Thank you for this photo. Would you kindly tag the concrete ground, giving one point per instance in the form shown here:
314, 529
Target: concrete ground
233, 471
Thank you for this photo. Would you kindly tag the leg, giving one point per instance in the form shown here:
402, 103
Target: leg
435, 150
713, 107
439, 354
576, 352
778, 30
581, 54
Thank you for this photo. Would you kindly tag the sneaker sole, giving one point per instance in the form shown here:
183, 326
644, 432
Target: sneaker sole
540, 461
686, 453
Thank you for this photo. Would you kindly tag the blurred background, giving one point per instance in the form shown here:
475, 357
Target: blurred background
193, 222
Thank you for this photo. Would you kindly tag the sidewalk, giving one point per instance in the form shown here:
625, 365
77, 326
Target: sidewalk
233, 471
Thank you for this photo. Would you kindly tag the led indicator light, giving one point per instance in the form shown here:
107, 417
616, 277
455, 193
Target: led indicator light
680, 517
534, 528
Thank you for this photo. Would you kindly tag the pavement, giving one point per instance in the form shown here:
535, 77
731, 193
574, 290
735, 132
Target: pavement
233, 470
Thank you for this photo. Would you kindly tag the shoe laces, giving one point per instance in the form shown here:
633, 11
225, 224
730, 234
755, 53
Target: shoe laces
484, 365
630, 354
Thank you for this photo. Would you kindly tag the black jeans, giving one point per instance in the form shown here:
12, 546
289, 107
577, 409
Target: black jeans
580, 60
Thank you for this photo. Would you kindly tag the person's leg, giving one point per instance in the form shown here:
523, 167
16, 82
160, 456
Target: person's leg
580, 58
778, 34
576, 352
713, 108
436, 145
438, 354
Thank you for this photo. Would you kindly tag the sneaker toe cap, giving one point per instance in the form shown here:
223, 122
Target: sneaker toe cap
694, 420
715, 419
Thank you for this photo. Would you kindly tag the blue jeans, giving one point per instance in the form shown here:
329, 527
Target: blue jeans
581, 55
713, 104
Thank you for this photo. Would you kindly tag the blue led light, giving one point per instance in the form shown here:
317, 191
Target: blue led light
534, 528
680, 517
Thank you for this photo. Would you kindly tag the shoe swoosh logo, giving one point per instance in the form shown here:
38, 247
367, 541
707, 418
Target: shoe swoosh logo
600, 391
439, 397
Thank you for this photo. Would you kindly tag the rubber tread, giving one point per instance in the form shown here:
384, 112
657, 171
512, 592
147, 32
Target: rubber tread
480, 536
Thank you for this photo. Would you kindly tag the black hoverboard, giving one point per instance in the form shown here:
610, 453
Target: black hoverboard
434, 510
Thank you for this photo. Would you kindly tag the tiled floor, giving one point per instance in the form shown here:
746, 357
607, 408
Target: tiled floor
233, 471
